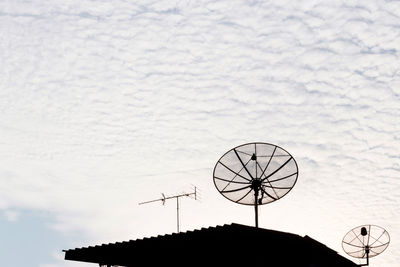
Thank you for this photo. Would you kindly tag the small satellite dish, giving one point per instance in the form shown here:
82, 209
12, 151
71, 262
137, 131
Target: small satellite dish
365, 241
255, 174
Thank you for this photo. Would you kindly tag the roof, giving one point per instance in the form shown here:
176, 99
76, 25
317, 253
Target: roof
230, 245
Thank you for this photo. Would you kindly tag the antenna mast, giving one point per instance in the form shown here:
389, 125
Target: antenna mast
164, 198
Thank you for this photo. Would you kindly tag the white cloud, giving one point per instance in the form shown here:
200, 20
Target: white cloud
106, 104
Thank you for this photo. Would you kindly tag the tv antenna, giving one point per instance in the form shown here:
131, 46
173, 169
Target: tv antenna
365, 241
255, 174
164, 198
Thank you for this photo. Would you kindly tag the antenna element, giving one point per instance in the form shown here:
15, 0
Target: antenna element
164, 198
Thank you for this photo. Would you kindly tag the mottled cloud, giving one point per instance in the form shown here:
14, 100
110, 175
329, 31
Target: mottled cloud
106, 104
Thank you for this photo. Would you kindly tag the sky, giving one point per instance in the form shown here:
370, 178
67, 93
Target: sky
105, 104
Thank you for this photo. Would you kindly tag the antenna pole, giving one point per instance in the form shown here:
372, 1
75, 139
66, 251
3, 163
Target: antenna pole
177, 213
163, 199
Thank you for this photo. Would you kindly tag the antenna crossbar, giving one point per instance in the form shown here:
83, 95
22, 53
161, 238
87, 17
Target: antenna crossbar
164, 198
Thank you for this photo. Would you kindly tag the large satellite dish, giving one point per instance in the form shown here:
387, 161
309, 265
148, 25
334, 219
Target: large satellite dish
366, 241
255, 174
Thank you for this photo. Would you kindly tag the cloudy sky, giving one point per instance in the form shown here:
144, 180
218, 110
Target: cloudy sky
105, 104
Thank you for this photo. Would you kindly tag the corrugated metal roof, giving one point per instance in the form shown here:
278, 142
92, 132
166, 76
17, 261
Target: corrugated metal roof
232, 244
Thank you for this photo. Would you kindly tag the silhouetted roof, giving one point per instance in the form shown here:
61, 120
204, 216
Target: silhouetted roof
227, 245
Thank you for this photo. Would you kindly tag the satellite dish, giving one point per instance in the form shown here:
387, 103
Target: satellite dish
366, 241
255, 174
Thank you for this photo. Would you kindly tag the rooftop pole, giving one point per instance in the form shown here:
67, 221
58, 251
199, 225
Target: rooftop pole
164, 198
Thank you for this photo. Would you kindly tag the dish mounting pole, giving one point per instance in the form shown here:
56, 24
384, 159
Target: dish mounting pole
256, 186
367, 256
256, 206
